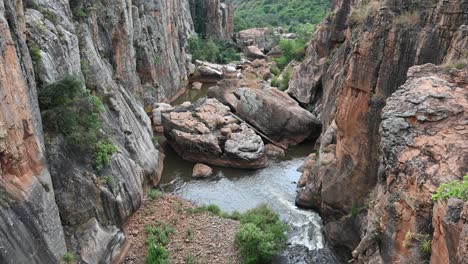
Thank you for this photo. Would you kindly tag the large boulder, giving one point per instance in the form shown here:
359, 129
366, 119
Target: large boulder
269, 110
253, 52
263, 38
206, 132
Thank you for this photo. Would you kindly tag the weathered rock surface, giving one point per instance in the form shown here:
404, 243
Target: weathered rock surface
201, 171
206, 132
128, 54
30, 227
262, 38
213, 18
274, 151
424, 143
253, 52
352, 66
269, 110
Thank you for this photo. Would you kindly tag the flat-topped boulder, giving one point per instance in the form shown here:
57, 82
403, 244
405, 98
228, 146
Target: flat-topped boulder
206, 132
269, 110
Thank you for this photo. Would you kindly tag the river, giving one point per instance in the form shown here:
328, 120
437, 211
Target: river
240, 190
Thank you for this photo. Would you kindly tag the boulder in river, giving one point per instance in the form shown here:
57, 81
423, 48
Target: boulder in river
201, 171
206, 132
269, 110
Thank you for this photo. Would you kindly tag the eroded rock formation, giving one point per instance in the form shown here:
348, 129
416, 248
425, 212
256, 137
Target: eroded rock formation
128, 54
358, 58
269, 110
206, 132
213, 18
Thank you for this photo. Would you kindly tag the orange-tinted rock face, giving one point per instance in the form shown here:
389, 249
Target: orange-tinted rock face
353, 65
29, 222
21, 157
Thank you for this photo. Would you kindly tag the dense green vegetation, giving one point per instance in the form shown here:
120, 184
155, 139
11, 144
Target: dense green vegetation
261, 236
73, 112
291, 49
216, 51
158, 238
292, 15
455, 189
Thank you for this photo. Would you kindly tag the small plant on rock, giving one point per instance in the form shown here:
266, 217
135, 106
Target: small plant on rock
455, 189
68, 258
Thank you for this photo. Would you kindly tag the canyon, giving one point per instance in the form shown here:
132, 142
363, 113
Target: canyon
382, 93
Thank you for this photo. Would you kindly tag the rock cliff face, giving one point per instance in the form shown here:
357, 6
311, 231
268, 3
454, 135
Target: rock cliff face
213, 18
30, 226
127, 53
359, 57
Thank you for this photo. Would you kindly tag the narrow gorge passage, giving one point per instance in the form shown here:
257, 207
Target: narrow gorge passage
242, 189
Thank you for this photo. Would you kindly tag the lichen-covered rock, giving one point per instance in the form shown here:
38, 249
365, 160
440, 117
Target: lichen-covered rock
206, 132
269, 110
423, 144
356, 60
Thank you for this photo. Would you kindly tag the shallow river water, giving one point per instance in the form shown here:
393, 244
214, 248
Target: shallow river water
240, 190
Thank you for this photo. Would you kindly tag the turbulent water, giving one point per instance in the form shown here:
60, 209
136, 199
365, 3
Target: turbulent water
234, 189
240, 190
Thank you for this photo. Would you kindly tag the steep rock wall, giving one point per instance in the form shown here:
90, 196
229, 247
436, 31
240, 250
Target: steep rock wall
359, 57
213, 18
353, 65
128, 53
30, 227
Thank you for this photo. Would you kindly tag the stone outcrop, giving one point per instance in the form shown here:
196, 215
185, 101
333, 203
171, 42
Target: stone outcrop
269, 110
213, 18
29, 217
424, 143
359, 57
353, 64
130, 55
206, 132
262, 38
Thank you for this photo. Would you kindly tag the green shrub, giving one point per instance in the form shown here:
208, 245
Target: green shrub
426, 247
261, 235
154, 194
70, 110
68, 257
291, 50
103, 151
190, 259
216, 51
275, 70
157, 254
284, 83
456, 189
35, 53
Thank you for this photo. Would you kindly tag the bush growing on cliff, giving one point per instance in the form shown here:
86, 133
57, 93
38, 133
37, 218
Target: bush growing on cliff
291, 49
69, 110
262, 235
455, 189
367, 8
216, 51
